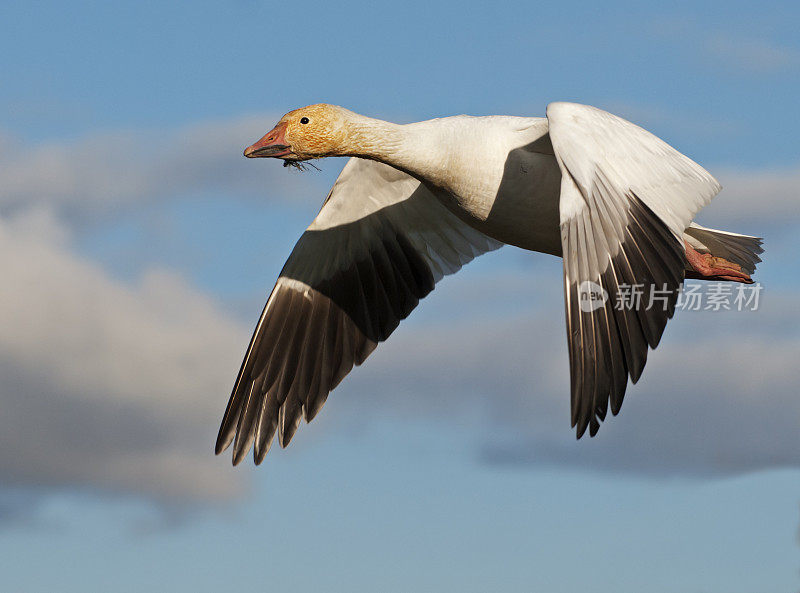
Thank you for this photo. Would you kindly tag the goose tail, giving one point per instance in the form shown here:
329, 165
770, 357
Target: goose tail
743, 250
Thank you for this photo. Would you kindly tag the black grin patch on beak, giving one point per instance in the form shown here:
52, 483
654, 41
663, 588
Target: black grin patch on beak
271, 150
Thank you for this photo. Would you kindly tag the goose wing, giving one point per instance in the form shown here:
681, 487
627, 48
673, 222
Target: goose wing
379, 244
626, 198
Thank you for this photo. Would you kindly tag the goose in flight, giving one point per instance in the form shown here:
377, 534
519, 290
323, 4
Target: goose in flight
418, 201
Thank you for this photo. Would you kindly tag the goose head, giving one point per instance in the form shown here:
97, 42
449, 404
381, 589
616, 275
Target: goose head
311, 132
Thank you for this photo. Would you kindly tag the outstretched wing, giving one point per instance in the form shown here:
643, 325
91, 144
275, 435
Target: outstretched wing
380, 243
626, 198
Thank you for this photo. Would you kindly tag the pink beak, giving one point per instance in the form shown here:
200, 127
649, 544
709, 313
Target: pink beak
273, 144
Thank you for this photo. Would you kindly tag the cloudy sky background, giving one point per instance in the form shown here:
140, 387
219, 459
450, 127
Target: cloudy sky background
137, 247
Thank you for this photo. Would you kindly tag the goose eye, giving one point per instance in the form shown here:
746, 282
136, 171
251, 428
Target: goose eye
304, 120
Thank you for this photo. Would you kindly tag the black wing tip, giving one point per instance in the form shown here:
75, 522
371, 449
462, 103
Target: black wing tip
581, 424
222, 445
238, 456
593, 424
635, 373
224, 440
286, 435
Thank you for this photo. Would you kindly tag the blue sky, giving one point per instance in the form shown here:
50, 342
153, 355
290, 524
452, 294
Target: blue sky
137, 246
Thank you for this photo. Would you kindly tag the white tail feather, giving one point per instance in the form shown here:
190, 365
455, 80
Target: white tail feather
740, 249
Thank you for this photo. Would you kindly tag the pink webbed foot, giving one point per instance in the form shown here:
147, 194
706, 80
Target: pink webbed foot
705, 266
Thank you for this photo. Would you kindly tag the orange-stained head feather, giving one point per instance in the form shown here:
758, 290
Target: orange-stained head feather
317, 131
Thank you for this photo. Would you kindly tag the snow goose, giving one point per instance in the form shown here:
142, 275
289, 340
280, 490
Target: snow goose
418, 201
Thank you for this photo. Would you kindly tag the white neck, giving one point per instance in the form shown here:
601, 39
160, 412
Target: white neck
414, 148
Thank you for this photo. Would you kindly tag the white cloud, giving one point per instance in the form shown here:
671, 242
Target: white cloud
753, 55
108, 385
729, 49
120, 386
757, 197
718, 396
105, 173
